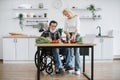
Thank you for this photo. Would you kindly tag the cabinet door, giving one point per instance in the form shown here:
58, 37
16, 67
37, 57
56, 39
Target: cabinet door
97, 49
22, 49
9, 49
32, 48
107, 48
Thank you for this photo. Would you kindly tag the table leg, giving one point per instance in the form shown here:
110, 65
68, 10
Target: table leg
92, 63
83, 63
38, 62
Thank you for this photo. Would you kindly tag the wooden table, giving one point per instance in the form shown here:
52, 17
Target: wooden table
76, 45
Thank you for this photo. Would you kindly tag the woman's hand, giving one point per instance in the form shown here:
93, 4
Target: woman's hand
68, 36
73, 37
75, 32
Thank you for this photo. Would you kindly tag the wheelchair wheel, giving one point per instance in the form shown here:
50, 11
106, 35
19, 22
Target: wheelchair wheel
42, 59
49, 68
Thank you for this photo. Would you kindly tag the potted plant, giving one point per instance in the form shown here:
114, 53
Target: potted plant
20, 17
60, 30
91, 8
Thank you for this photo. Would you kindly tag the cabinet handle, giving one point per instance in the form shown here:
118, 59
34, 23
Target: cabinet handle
15, 40
101, 40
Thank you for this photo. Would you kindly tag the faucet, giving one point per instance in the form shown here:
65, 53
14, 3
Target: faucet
98, 27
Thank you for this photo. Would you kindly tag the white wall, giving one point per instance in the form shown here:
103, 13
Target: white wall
110, 16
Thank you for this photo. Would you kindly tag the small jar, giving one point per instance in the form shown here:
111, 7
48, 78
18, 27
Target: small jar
34, 16
45, 15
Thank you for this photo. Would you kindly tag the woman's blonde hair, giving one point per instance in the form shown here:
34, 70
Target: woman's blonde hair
65, 10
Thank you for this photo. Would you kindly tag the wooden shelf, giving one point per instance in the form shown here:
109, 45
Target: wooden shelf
35, 18
89, 18
37, 21
31, 18
84, 9
30, 9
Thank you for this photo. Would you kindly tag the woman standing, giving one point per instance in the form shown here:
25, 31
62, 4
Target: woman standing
72, 25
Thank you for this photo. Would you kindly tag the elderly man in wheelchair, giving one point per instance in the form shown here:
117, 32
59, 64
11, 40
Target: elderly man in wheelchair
54, 57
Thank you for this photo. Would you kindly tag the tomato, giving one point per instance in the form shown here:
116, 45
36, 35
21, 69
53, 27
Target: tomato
65, 42
55, 41
72, 41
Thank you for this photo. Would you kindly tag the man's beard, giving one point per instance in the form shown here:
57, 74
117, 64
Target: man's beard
52, 31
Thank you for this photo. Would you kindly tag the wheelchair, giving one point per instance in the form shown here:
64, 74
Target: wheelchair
47, 59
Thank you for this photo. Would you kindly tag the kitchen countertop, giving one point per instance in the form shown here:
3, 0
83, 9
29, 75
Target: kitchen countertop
19, 36
26, 36
104, 36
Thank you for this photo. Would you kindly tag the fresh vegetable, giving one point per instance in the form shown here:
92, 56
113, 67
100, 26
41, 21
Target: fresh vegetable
55, 41
72, 41
65, 42
43, 40
80, 40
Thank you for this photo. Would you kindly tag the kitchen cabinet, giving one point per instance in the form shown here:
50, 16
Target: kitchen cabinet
107, 49
97, 49
32, 49
15, 49
21, 49
9, 49
103, 49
